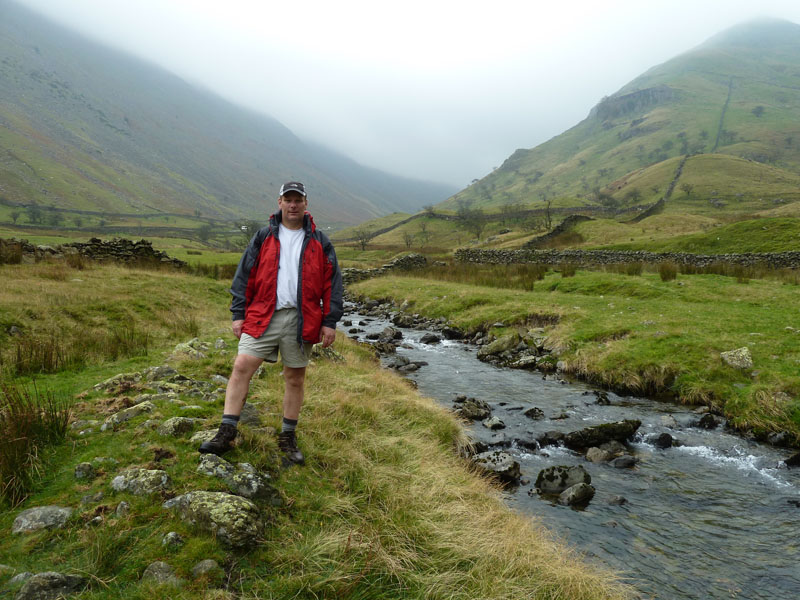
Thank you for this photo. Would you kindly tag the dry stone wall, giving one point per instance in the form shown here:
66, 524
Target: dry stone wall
116, 250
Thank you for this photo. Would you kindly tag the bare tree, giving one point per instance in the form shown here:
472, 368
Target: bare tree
423, 232
363, 237
15, 215
473, 220
688, 188
548, 216
408, 238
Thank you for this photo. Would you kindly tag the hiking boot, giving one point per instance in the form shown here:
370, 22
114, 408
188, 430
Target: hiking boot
287, 442
221, 442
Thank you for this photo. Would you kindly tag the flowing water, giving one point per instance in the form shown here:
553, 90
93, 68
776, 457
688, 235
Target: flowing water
718, 517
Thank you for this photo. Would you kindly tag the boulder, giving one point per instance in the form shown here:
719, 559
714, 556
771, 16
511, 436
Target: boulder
500, 345
527, 361
708, 421
662, 441
554, 480
41, 517
473, 409
234, 520
494, 423
596, 455
242, 479
534, 413
614, 448
84, 470
173, 540
141, 482
451, 333
738, 359
430, 338
624, 462
127, 414
390, 333
51, 585
793, 461
782, 439
580, 493
550, 438
599, 434
160, 572
176, 426
500, 464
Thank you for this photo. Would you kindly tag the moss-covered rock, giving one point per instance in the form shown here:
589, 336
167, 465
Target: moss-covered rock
235, 521
141, 482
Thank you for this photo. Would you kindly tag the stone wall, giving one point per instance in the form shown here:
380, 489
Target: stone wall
116, 250
409, 261
772, 260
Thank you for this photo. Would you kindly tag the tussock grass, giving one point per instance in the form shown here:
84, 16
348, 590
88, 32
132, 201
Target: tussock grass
648, 336
30, 421
516, 276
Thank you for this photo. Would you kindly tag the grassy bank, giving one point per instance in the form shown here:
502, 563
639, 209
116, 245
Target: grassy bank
644, 335
384, 508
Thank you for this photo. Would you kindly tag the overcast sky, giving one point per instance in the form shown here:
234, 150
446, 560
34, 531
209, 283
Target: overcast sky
439, 90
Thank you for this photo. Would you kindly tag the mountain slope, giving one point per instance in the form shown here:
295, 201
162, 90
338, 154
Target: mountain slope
83, 126
736, 98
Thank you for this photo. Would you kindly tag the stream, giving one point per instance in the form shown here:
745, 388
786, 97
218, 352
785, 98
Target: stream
717, 517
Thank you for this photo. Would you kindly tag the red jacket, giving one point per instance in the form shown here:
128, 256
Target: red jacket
319, 282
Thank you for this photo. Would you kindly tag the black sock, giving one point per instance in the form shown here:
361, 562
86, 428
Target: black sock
288, 425
230, 420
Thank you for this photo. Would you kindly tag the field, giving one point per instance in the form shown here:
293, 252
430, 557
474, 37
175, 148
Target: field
384, 508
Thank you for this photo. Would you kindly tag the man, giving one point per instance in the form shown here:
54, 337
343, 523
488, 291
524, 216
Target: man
287, 295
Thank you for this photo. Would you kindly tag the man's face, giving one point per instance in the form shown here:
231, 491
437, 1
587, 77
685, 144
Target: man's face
293, 207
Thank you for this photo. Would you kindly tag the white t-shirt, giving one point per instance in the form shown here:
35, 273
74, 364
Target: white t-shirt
291, 243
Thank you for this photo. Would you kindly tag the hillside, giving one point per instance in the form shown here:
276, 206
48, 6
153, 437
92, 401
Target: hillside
732, 105
86, 127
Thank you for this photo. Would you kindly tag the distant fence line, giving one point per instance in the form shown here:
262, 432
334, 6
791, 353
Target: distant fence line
772, 260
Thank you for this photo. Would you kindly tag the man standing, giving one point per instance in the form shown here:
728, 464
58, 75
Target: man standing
287, 296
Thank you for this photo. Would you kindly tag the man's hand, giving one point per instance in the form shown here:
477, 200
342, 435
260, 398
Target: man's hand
237, 328
326, 336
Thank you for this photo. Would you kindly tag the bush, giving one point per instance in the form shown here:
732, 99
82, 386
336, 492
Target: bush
568, 269
667, 271
76, 261
634, 268
30, 421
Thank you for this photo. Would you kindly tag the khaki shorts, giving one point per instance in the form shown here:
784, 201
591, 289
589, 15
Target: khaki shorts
281, 335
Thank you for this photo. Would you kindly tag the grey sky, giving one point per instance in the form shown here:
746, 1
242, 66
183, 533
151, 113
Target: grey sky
439, 90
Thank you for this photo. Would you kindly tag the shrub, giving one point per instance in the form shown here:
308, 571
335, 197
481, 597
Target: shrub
194, 252
634, 268
30, 421
76, 261
568, 269
667, 271
10, 252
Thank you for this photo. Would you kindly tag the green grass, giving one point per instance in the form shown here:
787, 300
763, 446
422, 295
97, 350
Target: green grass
384, 507
644, 335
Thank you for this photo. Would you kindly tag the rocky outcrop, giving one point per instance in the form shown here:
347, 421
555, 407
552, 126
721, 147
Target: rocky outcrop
41, 517
599, 434
234, 520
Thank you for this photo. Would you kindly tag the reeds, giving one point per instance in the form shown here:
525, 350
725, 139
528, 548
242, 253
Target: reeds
515, 276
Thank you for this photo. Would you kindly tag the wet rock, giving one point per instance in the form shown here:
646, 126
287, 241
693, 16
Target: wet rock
390, 333
526, 361
614, 448
234, 520
599, 434
596, 455
579, 493
51, 585
41, 517
782, 439
141, 482
618, 500
85, 470
160, 572
793, 461
494, 423
738, 359
473, 409
662, 441
669, 421
500, 345
550, 438
403, 320
127, 414
602, 399
242, 479
499, 463
554, 480
624, 462
534, 413
430, 338
708, 421
451, 333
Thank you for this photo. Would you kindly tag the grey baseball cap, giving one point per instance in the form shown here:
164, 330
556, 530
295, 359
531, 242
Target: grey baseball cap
293, 186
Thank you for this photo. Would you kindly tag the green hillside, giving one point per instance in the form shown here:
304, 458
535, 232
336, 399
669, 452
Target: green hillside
89, 128
732, 106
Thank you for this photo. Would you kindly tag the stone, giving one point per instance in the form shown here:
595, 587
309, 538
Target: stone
550, 438
203, 436
662, 441
127, 414
782, 439
242, 479
708, 421
161, 573
234, 520
473, 409
527, 361
84, 470
614, 448
92, 498
157, 373
793, 461
580, 493
173, 540
534, 413
176, 426
122, 379
141, 482
596, 455
556, 479
500, 464
451, 333
390, 333
430, 338
194, 348
123, 508
500, 345
599, 434
669, 421
219, 344
250, 415
624, 462
50, 586
618, 500
494, 423
19, 579
209, 569
738, 359
41, 517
